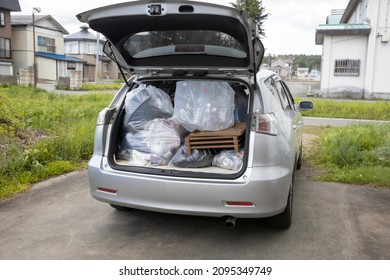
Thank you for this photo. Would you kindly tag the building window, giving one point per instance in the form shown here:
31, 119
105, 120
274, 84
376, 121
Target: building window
46, 44
91, 48
347, 67
105, 67
2, 19
73, 48
5, 48
71, 65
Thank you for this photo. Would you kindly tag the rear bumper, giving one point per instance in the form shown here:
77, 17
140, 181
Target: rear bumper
266, 187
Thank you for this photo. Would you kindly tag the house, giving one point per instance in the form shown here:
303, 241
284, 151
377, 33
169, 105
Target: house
302, 73
6, 57
356, 51
84, 45
51, 61
282, 67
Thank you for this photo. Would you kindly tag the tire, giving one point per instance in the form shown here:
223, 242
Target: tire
284, 219
120, 208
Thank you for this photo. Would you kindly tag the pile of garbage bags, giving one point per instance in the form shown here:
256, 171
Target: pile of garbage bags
153, 131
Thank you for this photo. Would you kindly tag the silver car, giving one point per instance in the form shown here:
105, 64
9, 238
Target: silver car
197, 129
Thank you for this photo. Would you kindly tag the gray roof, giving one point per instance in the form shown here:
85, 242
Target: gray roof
25, 20
341, 30
10, 5
83, 35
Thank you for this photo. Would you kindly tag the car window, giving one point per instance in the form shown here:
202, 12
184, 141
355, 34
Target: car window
269, 83
161, 43
284, 100
288, 94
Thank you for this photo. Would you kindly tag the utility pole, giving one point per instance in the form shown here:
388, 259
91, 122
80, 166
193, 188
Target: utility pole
35, 10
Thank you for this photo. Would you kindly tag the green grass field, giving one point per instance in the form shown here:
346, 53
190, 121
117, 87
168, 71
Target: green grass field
351, 109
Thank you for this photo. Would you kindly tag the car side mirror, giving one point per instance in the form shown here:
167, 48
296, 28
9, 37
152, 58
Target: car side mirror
305, 105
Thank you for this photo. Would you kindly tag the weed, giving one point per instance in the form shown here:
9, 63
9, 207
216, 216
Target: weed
356, 154
45, 134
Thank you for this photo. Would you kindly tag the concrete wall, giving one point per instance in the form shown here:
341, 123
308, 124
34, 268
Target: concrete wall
26, 76
76, 80
343, 47
73, 82
7, 79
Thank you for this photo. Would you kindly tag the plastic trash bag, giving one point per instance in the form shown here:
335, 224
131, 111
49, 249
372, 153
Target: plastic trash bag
158, 136
204, 105
138, 158
197, 159
229, 159
144, 104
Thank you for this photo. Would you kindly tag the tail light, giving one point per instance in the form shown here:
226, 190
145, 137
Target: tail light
266, 124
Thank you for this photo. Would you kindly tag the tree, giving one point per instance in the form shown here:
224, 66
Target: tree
255, 9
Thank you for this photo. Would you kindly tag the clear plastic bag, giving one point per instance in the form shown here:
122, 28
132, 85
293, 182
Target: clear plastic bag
229, 159
204, 105
144, 159
158, 137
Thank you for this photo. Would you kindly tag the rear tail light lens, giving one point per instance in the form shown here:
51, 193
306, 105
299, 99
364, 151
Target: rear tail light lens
267, 124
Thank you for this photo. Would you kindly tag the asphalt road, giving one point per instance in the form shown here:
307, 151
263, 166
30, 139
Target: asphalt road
57, 219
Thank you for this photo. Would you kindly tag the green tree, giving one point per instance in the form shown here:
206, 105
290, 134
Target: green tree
255, 9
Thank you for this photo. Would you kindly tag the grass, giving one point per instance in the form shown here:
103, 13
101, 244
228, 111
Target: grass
369, 110
357, 154
44, 134
100, 87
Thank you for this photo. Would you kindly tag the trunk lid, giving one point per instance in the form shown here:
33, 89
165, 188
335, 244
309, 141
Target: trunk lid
178, 36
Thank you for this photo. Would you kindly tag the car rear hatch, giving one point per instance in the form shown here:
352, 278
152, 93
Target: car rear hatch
189, 116
170, 36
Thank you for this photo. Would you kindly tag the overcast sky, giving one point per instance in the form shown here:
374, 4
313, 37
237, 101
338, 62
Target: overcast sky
290, 28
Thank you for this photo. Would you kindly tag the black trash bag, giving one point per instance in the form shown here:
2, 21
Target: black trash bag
197, 159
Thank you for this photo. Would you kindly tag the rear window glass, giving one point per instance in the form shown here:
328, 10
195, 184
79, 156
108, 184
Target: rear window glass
162, 43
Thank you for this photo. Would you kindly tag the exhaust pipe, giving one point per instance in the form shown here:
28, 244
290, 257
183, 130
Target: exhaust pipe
230, 222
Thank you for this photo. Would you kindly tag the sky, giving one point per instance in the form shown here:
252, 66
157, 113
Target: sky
290, 28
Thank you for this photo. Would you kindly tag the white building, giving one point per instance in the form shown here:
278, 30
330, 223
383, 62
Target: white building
52, 62
356, 51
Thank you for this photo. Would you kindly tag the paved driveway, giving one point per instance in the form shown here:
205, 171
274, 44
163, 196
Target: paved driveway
57, 219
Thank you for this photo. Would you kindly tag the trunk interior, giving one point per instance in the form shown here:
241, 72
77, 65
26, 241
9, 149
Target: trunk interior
183, 126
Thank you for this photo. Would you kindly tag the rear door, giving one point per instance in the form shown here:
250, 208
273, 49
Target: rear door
178, 36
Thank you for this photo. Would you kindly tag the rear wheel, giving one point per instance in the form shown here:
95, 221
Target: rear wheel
120, 208
284, 219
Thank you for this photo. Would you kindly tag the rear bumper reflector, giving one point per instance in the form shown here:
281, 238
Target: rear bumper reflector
106, 190
238, 203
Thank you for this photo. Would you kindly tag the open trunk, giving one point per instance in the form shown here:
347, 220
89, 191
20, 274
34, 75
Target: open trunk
183, 127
